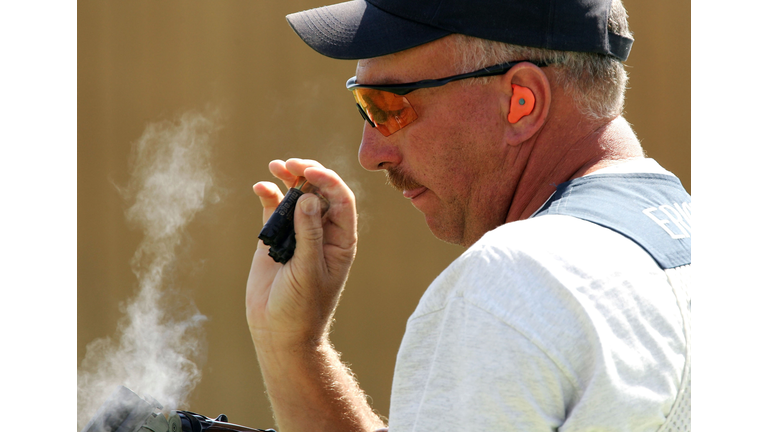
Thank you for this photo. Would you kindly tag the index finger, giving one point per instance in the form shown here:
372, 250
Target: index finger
289, 170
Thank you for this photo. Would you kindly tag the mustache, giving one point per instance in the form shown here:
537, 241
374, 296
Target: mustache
399, 180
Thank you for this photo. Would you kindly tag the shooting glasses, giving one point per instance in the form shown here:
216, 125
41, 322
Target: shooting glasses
386, 108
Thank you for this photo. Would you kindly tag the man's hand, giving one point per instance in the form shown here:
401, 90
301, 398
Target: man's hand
292, 305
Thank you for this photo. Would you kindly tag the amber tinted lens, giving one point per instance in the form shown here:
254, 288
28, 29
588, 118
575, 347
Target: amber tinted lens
388, 112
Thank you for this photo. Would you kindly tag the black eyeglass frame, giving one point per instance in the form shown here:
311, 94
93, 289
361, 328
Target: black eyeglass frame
405, 88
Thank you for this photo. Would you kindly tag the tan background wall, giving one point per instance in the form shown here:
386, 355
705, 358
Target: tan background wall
145, 61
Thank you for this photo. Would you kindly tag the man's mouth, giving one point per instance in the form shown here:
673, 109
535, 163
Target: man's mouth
413, 193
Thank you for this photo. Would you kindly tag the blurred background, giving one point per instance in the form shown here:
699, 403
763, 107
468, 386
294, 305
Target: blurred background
143, 62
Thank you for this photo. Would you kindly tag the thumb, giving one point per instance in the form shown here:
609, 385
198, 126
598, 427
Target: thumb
308, 225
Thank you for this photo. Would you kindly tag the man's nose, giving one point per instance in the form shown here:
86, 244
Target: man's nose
378, 152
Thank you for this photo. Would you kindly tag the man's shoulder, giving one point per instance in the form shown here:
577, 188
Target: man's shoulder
525, 263
547, 239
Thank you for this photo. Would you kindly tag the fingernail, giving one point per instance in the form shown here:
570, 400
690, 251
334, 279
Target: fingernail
310, 206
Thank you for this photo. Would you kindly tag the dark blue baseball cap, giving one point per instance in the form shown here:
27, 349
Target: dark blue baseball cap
360, 29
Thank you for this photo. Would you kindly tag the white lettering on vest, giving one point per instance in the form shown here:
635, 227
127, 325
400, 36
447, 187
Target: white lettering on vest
678, 219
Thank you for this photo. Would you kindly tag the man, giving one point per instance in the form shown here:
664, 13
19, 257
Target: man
569, 310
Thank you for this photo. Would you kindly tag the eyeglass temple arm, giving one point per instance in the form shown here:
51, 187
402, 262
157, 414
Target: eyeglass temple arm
400, 89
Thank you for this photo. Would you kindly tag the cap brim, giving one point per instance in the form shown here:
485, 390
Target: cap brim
357, 30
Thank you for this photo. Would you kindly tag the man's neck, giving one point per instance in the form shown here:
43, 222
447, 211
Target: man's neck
557, 157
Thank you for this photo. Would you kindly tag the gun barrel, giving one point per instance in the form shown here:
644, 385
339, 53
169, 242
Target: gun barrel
125, 411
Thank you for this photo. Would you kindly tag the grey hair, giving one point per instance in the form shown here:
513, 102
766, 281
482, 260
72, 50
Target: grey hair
596, 82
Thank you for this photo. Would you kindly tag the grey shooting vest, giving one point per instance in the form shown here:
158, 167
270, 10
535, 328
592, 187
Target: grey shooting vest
654, 211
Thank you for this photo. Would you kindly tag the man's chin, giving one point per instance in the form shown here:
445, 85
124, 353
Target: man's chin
444, 232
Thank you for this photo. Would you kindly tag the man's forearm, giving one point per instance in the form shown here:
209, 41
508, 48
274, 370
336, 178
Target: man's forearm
310, 389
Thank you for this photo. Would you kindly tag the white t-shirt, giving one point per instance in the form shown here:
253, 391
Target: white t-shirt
551, 323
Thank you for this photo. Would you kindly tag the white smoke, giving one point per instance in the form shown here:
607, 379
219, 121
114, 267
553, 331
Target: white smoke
159, 340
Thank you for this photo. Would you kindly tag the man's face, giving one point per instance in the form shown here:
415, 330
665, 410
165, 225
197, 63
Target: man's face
449, 161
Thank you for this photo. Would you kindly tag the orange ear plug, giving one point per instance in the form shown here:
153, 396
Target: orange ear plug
521, 104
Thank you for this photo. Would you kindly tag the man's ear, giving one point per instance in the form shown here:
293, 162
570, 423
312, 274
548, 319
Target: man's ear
527, 97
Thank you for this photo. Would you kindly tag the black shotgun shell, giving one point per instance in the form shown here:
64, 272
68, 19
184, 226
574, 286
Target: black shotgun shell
278, 232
